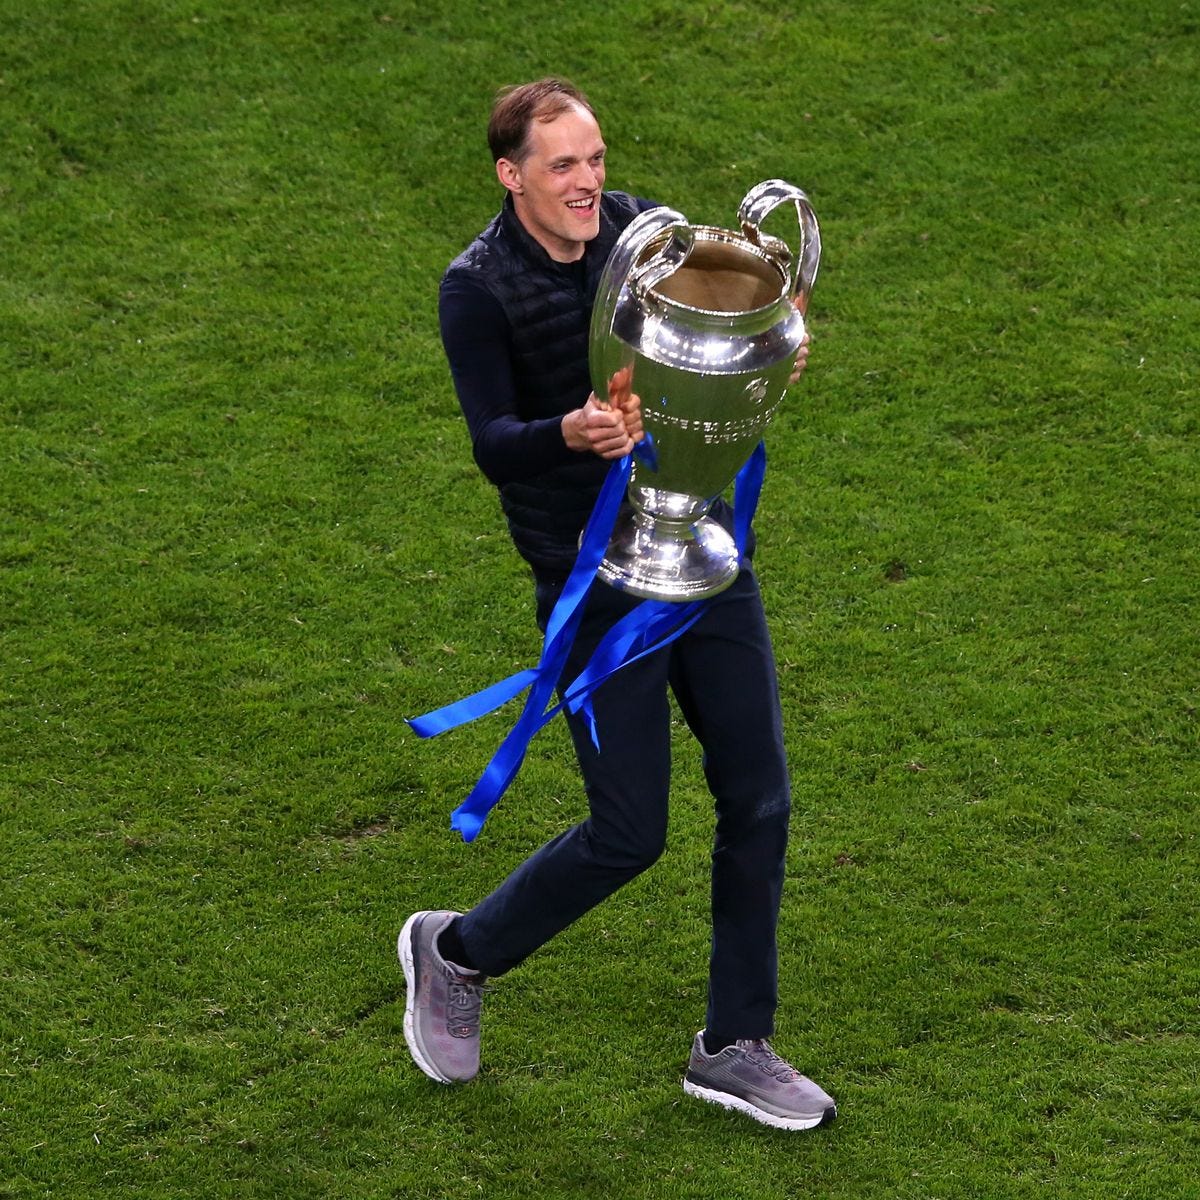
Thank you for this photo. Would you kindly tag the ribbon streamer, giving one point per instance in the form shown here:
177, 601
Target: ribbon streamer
647, 628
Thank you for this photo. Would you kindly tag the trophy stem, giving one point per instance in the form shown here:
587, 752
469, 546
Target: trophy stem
661, 558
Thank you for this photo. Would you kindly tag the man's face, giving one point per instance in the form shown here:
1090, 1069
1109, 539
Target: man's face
556, 188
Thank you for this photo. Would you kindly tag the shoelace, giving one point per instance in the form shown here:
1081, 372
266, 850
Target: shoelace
463, 1003
760, 1053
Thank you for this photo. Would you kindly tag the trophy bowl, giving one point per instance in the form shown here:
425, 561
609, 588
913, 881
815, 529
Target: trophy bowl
710, 321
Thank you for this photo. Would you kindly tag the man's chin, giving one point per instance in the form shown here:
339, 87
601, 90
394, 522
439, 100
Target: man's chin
587, 221
586, 234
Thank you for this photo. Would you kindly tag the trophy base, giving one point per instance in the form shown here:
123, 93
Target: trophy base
669, 560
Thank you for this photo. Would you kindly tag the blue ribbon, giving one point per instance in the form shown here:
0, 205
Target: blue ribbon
647, 628
746, 490
469, 817
650, 626
654, 624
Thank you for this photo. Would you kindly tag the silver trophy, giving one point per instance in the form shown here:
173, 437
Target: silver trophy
710, 321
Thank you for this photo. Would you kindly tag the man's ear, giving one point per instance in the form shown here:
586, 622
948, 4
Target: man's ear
509, 175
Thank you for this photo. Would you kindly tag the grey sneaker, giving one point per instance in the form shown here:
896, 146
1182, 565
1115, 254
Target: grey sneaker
441, 1012
750, 1077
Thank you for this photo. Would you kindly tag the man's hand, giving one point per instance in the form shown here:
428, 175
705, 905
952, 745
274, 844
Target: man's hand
621, 396
801, 359
610, 430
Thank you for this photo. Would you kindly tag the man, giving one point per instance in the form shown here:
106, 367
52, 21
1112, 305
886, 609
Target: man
515, 309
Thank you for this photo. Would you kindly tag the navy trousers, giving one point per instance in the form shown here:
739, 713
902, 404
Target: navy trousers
722, 673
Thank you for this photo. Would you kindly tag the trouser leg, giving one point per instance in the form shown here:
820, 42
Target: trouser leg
723, 674
626, 786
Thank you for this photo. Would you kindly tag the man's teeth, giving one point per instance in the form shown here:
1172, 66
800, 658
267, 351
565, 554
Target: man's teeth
580, 203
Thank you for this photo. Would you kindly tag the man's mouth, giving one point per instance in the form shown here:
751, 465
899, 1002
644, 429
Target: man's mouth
583, 205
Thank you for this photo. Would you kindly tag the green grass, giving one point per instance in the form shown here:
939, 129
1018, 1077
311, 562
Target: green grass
241, 538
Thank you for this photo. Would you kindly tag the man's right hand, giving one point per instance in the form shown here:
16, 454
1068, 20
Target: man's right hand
609, 430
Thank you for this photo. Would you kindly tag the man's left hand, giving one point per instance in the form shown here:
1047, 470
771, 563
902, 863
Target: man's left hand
801, 359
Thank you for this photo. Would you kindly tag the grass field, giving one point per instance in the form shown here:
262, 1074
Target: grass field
241, 538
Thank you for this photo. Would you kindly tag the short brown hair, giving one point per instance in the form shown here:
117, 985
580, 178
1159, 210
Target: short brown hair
517, 107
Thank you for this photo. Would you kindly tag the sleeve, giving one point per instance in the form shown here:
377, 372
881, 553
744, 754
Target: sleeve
507, 447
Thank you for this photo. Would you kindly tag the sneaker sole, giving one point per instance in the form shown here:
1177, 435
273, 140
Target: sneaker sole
738, 1104
404, 950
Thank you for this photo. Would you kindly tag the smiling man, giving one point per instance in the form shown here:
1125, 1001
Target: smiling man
515, 312
556, 176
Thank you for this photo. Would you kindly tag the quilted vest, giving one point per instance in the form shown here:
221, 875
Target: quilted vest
549, 308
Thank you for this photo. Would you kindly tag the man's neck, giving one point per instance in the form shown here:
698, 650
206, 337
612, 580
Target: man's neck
558, 251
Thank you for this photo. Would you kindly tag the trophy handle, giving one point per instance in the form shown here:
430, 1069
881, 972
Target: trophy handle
762, 200
669, 257
623, 269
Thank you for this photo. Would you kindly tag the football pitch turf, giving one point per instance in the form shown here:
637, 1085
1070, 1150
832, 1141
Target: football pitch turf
242, 538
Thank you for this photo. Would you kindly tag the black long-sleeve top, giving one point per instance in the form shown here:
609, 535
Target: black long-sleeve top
515, 327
